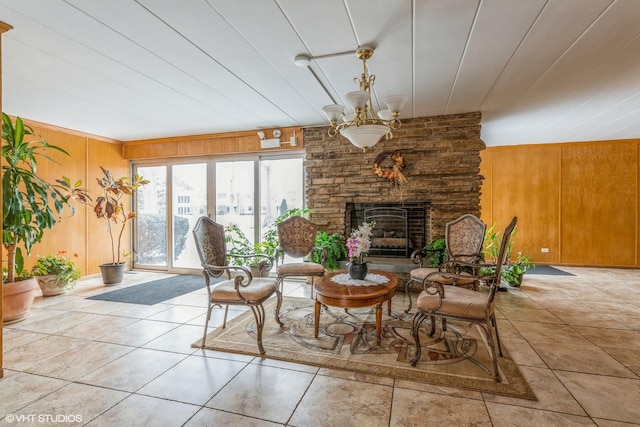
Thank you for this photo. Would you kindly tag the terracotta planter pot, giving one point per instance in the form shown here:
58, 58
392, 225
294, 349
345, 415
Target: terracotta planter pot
51, 286
17, 298
112, 274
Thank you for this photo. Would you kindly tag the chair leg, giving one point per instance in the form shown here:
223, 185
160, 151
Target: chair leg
206, 325
495, 326
278, 305
407, 293
280, 283
226, 311
494, 356
258, 313
433, 326
312, 286
415, 332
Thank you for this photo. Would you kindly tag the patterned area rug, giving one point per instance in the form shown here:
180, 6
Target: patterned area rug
347, 340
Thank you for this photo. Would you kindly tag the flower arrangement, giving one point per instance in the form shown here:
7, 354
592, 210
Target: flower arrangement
359, 243
57, 265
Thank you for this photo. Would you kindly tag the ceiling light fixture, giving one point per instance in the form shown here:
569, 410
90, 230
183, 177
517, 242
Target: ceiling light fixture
365, 127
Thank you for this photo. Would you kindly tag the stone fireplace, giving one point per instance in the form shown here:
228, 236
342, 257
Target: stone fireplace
441, 163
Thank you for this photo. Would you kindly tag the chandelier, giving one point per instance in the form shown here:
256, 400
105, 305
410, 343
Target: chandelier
364, 127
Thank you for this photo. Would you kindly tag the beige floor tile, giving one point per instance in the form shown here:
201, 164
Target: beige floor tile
72, 405
136, 411
138, 333
584, 357
508, 415
357, 376
179, 314
60, 322
551, 393
18, 389
133, 370
195, 380
13, 338
177, 340
36, 352
529, 315
138, 311
605, 397
521, 352
349, 405
262, 391
80, 361
611, 338
412, 408
207, 417
561, 334
97, 327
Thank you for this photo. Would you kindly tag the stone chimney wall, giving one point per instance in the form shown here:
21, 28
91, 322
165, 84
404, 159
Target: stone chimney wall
441, 163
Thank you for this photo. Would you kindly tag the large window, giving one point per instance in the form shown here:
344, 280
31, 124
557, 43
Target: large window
250, 192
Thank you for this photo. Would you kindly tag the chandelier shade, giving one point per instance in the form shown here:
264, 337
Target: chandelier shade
365, 136
363, 127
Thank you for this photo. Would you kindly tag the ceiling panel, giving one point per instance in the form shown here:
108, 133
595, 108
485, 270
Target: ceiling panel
538, 70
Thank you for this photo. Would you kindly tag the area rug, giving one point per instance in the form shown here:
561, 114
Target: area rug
548, 270
156, 291
347, 340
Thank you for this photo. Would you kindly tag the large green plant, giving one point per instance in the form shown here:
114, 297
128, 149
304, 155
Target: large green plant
109, 206
30, 204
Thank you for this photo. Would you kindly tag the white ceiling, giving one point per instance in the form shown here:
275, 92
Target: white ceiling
539, 70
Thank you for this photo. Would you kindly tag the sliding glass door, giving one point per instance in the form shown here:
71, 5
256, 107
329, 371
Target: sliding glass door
250, 192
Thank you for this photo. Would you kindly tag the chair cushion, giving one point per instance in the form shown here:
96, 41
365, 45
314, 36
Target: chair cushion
420, 273
300, 269
259, 289
458, 302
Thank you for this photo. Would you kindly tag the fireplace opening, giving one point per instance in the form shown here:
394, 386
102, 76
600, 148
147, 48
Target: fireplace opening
400, 227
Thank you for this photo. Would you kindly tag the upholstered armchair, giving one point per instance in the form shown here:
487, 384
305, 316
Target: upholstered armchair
459, 303
464, 237
238, 286
296, 239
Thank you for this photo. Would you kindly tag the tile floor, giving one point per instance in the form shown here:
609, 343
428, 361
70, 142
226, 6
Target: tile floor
83, 362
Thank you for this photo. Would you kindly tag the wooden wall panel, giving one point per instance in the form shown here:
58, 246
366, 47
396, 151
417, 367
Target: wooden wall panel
68, 233
203, 145
599, 203
526, 184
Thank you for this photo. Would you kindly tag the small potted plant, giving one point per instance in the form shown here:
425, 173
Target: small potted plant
512, 272
55, 273
109, 207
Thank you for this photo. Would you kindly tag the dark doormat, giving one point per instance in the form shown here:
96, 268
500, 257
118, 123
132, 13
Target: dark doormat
548, 270
150, 293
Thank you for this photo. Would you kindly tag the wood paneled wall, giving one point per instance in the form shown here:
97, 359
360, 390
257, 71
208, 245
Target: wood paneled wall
210, 144
579, 200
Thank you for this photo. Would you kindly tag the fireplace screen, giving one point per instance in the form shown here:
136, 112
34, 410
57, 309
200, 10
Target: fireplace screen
400, 228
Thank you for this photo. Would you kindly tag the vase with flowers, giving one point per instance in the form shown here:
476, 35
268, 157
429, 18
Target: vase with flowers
358, 245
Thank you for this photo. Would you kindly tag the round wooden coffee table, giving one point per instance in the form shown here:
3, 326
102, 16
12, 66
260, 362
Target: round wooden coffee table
334, 294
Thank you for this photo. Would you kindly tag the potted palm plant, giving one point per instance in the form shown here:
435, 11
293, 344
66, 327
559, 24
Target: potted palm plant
109, 207
30, 205
55, 273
